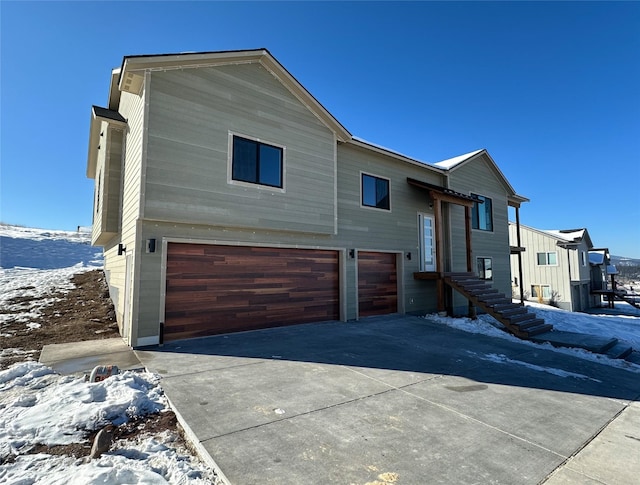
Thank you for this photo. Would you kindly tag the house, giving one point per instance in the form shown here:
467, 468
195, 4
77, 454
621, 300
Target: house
227, 198
560, 267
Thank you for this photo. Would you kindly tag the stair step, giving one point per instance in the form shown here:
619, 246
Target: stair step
484, 291
521, 310
633, 357
474, 285
538, 329
527, 324
494, 299
520, 317
505, 307
620, 350
496, 302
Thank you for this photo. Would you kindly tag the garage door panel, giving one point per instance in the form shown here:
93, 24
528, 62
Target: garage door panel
216, 289
377, 283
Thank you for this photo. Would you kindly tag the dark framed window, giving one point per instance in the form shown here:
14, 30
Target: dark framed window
482, 214
256, 162
375, 192
485, 269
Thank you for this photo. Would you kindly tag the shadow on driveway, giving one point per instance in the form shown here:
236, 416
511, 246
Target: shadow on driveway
387, 399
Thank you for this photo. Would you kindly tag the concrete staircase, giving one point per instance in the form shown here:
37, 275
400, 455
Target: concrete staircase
517, 319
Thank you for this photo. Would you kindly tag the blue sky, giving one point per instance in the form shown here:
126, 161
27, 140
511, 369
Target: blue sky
550, 89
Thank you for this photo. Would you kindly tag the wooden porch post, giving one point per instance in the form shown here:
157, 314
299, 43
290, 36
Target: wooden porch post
439, 253
467, 228
519, 256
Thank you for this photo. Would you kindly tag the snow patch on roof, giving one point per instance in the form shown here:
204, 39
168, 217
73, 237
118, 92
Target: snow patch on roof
452, 162
567, 236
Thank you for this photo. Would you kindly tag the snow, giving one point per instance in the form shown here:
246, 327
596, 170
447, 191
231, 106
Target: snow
452, 162
622, 323
38, 406
565, 236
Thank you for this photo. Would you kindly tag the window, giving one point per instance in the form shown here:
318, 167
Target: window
485, 271
256, 162
541, 292
375, 192
547, 259
583, 255
482, 214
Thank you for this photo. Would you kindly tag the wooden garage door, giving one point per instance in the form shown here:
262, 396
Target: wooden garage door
377, 284
218, 289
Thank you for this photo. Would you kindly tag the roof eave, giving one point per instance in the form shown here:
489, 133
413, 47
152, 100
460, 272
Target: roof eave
131, 77
398, 156
98, 115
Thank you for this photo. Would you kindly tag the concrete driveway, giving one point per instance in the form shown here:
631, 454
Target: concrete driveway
397, 399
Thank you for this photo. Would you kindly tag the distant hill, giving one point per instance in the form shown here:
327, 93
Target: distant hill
24, 247
622, 261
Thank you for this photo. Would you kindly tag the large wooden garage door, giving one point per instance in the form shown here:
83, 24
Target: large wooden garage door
215, 289
377, 284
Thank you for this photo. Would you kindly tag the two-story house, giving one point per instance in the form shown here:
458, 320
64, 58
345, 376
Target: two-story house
227, 198
559, 267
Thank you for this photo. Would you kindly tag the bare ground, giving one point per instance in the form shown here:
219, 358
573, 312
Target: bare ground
83, 313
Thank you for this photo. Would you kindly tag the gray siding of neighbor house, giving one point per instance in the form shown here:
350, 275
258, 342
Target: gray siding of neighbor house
557, 277
479, 178
191, 115
358, 228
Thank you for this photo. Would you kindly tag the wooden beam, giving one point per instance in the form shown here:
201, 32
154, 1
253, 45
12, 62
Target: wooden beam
450, 198
439, 252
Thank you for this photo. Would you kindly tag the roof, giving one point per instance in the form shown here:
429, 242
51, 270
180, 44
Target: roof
455, 163
452, 162
131, 76
563, 236
98, 115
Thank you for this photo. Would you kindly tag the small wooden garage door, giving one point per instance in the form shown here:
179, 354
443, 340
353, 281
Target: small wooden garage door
215, 289
377, 283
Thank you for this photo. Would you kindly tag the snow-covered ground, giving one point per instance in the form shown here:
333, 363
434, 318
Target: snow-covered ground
622, 323
38, 406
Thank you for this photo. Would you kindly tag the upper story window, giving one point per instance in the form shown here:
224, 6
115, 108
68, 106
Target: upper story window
583, 257
375, 192
547, 259
485, 270
256, 162
482, 214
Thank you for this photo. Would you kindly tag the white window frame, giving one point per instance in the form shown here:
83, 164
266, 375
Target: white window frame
542, 287
241, 183
546, 253
483, 258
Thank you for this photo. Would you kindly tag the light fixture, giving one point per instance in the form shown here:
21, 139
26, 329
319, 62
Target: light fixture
409, 256
121, 249
352, 253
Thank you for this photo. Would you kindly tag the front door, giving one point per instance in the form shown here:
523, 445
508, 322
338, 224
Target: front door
427, 243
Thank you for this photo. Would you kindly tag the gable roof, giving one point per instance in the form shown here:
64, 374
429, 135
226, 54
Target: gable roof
455, 163
131, 76
569, 237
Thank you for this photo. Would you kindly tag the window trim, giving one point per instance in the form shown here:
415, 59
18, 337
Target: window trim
242, 183
362, 205
476, 204
547, 258
484, 258
542, 287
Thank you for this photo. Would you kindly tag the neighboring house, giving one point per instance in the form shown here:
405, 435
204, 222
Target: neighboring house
227, 198
559, 267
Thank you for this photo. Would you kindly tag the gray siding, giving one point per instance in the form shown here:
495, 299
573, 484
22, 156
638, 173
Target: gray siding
478, 177
192, 113
358, 228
